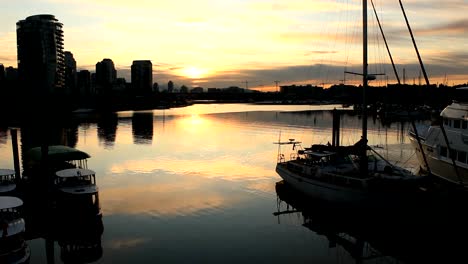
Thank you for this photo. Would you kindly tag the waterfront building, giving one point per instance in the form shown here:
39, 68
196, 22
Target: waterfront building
41, 59
106, 76
142, 77
11, 74
70, 74
2, 73
84, 83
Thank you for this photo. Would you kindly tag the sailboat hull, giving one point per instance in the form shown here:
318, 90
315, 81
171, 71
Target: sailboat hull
321, 190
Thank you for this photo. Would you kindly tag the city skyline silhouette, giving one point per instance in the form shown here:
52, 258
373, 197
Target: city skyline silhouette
235, 43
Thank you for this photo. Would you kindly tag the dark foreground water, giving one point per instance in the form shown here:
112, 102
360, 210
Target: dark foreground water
197, 185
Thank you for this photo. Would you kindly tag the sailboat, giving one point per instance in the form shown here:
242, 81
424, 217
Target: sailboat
353, 174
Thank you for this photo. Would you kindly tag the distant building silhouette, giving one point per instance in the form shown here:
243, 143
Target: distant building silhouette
70, 74
302, 90
142, 77
234, 89
184, 89
197, 90
2, 74
105, 76
156, 87
170, 87
84, 83
2, 80
214, 90
41, 59
11, 75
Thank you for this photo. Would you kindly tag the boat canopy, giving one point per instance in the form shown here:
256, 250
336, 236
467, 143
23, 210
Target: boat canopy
6, 172
7, 202
341, 150
57, 153
75, 172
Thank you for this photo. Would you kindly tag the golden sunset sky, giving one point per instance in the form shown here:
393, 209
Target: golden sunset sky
221, 43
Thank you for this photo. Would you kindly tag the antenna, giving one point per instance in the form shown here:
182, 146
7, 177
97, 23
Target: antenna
404, 75
247, 83
276, 83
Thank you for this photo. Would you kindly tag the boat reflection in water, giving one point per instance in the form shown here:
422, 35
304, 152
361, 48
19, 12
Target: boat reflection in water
77, 229
73, 221
13, 247
432, 233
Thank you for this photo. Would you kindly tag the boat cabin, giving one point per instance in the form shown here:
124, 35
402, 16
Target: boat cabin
42, 168
78, 192
10, 208
13, 248
76, 181
7, 180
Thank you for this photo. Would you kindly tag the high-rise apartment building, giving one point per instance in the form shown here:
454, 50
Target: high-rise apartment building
142, 77
105, 76
84, 83
41, 59
70, 74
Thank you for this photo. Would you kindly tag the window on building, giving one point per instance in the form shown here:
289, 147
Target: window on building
464, 124
443, 151
461, 156
453, 154
456, 123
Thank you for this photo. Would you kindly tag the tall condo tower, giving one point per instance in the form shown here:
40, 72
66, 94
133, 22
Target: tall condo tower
106, 75
142, 77
70, 74
41, 59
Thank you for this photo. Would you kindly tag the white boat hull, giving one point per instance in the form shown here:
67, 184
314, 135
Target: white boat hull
440, 167
321, 190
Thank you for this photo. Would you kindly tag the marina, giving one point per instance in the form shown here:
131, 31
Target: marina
194, 183
238, 132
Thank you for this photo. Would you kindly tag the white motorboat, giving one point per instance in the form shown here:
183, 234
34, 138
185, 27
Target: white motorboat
447, 161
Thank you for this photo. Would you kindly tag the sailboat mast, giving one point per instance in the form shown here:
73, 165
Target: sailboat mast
363, 165
364, 69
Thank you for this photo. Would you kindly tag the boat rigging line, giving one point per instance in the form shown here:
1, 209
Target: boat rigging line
414, 44
428, 84
385, 41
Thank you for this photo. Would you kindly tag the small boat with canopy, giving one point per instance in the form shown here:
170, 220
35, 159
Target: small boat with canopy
7, 181
13, 247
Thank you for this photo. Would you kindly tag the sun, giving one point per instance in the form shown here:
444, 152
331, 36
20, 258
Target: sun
194, 72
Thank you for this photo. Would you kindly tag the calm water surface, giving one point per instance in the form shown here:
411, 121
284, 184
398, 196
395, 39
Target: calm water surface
197, 184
